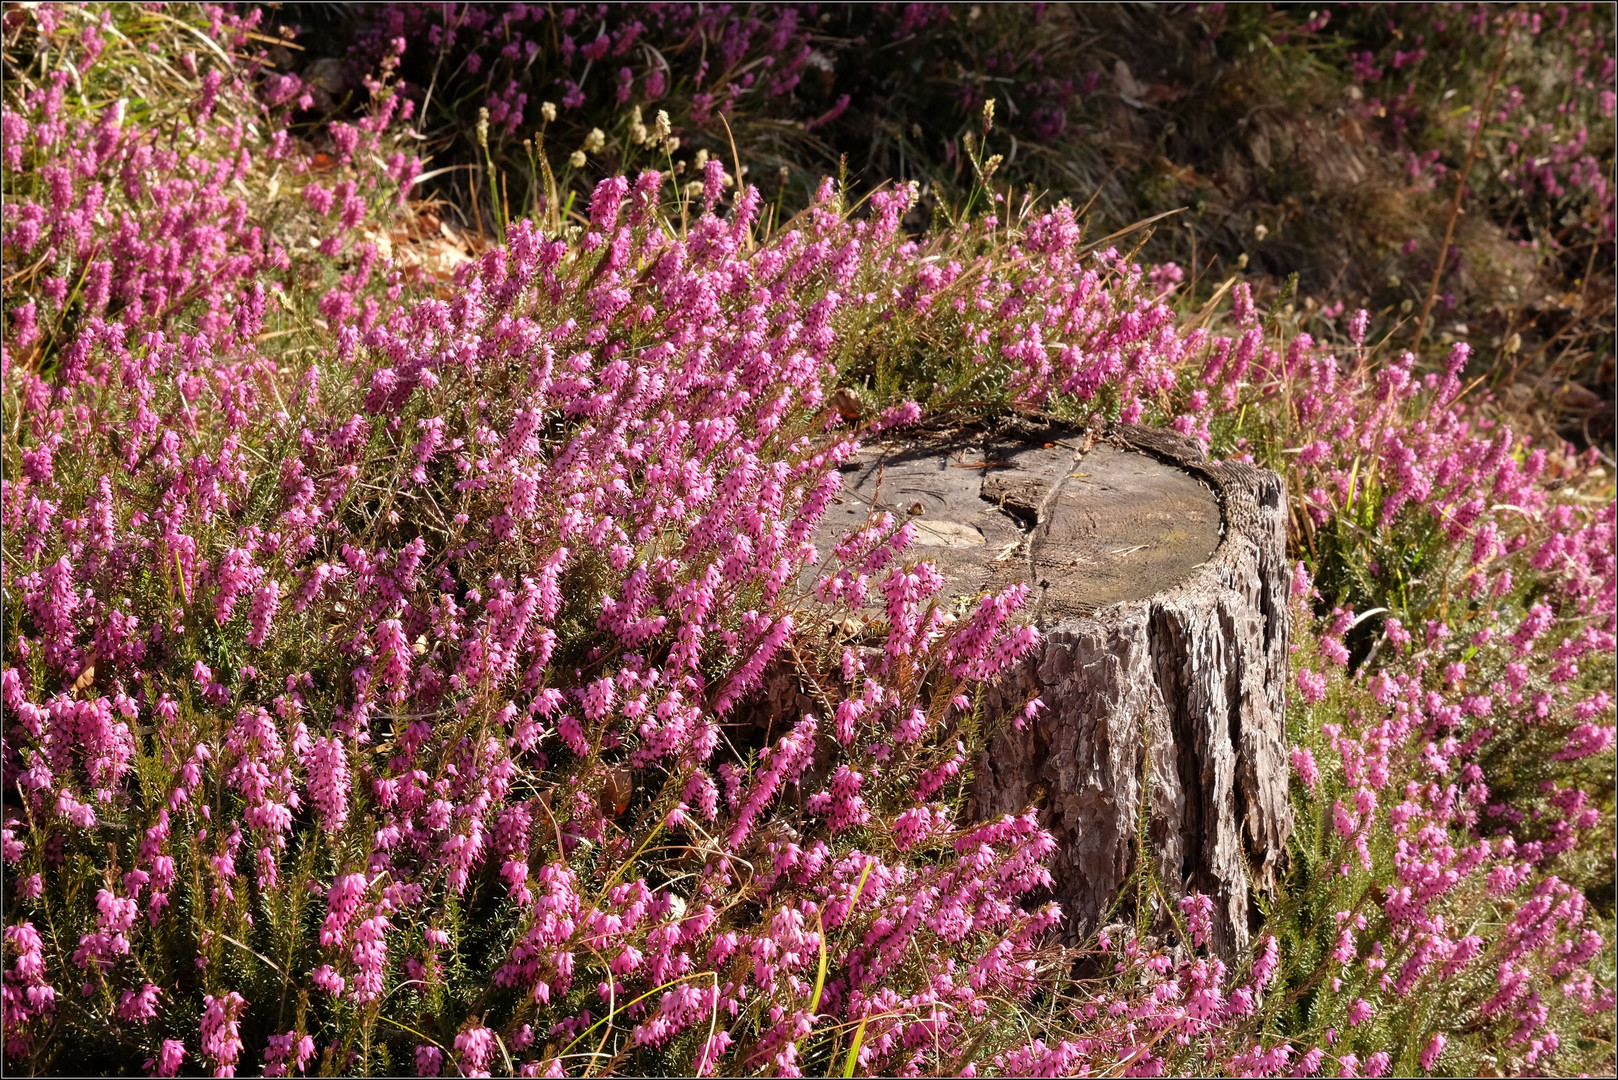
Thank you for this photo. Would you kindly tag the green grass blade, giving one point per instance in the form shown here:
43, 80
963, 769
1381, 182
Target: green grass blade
854, 1050
820, 976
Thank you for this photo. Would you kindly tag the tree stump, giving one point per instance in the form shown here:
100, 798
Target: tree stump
1160, 582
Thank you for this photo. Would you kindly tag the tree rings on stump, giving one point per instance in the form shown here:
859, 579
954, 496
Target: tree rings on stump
1160, 582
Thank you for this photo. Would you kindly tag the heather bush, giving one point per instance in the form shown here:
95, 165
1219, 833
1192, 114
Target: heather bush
312, 646
1327, 142
381, 651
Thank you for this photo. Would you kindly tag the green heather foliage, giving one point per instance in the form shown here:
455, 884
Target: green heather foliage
380, 634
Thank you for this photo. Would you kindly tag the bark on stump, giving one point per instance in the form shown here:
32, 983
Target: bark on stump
1160, 582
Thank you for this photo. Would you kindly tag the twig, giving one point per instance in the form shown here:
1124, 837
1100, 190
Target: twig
1460, 186
248, 949
736, 160
1099, 188
1213, 302
1126, 230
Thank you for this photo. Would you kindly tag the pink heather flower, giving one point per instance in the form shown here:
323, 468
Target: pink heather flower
1435, 1047
1584, 741
476, 1048
370, 958
209, 98
1303, 763
261, 614
713, 181
1358, 325
1241, 304
1398, 636
393, 657
1302, 584
598, 698
838, 108
712, 1049
140, 1005
1332, 649
236, 574
1378, 1064
325, 977
169, 1057
342, 903
1198, 911
1267, 961
287, 1053
429, 1061
26, 993
1311, 686
901, 415
1165, 277
1359, 1012
913, 826
605, 201
220, 1030
327, 763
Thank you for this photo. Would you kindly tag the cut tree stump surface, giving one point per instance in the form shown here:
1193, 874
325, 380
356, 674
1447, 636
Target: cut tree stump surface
1160, 584
1087, 524
1119, 526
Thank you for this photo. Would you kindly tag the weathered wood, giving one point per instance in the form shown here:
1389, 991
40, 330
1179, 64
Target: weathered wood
1160, 583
